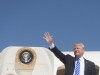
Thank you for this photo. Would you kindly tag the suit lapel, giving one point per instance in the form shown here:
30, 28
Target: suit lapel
74, 59
86, 66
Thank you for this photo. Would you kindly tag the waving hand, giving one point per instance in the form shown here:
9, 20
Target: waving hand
48, 38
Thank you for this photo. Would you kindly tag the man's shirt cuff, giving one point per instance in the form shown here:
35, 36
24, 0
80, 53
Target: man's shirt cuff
52, 46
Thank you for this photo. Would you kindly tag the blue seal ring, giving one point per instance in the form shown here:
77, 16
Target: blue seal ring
26, 57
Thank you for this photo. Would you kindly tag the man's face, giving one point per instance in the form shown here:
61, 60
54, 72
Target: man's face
78, 50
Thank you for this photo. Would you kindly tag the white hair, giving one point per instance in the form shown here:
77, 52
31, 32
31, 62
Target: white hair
81, 44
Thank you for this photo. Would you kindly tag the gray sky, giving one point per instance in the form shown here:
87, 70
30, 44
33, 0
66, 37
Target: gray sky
23, 23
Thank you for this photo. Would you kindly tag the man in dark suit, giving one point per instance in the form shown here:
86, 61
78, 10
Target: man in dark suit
77, 65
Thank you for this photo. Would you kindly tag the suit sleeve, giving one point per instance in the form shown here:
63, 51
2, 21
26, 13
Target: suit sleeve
93, 69
58, 54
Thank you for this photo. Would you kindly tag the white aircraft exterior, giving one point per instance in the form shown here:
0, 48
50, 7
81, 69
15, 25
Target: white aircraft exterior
15, 60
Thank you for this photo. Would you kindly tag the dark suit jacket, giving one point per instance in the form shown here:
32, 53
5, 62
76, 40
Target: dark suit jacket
69, 62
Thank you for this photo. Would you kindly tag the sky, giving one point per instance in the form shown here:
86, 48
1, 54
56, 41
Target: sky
24, 22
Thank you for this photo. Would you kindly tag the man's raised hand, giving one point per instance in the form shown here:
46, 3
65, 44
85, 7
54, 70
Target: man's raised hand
48, 38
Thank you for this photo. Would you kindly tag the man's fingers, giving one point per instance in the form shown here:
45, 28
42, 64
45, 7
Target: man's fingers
47, 35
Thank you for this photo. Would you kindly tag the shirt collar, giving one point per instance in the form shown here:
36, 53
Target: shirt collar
81, 58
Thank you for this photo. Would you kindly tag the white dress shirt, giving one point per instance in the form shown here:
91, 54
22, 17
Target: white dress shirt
82, 66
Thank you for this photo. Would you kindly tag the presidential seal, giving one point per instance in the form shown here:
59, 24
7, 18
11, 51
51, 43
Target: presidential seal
25, 57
